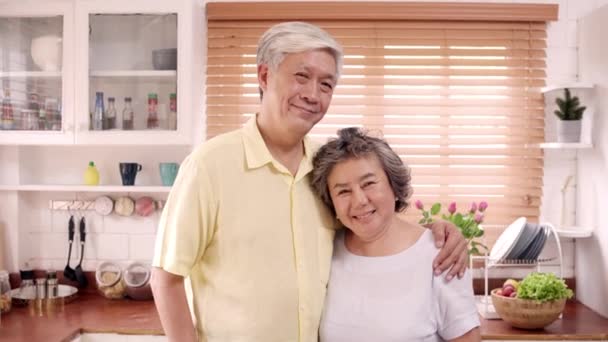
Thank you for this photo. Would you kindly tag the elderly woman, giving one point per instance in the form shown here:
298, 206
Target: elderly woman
381, 286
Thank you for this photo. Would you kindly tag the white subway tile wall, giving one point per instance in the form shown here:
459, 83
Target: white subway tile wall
116, 238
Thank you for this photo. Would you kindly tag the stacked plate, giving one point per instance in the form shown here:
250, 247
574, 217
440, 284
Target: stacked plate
522, 241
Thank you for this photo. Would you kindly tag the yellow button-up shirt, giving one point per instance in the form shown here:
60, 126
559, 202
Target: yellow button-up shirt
253, 239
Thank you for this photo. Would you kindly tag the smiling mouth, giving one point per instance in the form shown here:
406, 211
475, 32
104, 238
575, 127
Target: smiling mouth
305, 109
364, 216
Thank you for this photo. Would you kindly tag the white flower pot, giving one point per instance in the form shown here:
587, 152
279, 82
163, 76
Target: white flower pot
569, 130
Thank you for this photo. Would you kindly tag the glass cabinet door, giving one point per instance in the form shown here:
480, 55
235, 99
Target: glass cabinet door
31, 58
132, 61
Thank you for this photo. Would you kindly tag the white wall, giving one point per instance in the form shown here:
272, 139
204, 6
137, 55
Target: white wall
592, 254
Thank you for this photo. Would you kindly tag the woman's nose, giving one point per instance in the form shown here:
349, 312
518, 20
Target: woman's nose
359, 197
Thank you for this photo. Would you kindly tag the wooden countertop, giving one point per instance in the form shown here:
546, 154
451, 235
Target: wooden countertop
92, 313
89, 312
578, 323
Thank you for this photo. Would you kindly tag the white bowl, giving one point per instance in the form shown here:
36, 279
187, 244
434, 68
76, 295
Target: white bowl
46, 52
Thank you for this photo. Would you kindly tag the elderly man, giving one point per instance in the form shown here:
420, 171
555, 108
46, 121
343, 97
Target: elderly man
242, 224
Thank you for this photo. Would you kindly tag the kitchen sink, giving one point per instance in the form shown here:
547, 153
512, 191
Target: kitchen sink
119, 338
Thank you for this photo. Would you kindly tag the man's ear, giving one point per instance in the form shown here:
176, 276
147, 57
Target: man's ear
263, 76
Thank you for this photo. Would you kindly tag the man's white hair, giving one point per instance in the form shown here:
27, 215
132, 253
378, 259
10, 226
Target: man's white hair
296, 37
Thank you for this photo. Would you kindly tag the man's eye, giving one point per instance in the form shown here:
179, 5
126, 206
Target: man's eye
327, 86
301, 75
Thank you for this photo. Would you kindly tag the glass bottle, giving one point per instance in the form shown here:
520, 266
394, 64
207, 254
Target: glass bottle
91, 175
53, 114
42, 120
7, 119
172, 120
98, 114
152, 111
127, 115
111, 114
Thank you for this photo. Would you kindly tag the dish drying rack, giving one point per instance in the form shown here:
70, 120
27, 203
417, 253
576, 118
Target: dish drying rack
485, 306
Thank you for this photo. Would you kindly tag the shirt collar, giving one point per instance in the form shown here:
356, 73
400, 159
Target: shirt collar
257, 154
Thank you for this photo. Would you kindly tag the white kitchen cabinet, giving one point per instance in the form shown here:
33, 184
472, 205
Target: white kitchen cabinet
107, 46
36, 70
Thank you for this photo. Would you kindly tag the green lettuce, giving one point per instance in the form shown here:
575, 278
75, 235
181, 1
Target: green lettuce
543, 287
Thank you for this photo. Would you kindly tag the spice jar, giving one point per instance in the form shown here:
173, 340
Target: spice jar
5, 292
137, 279
52, 284
109, 280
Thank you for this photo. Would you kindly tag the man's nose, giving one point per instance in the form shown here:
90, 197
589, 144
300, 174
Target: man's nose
310, 92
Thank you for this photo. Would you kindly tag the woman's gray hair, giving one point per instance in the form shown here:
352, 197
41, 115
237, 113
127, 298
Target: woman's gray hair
354, 143
296, 37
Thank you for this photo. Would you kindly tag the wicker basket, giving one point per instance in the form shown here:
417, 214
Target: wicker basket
526, 313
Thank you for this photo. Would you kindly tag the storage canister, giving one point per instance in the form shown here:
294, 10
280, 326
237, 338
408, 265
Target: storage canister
137, 279
5, 292
109, 280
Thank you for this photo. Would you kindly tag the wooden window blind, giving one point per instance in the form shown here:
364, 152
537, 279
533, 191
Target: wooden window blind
459, 100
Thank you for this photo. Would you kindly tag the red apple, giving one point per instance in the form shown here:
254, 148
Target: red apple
513, 294
507, 290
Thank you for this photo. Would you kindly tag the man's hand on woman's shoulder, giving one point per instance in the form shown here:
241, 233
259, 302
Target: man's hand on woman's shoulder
453, 254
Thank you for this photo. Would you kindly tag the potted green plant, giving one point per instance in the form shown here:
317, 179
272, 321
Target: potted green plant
570, 113
469, 222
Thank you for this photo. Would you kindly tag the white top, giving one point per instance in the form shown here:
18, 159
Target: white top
395, 298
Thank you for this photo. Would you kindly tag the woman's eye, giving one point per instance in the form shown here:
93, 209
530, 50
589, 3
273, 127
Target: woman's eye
343, 192
366, 184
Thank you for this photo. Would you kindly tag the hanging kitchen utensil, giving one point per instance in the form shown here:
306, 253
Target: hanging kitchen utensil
68, 272
80, 276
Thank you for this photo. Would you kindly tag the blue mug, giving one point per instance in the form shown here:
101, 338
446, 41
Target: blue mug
128, 171
168, 172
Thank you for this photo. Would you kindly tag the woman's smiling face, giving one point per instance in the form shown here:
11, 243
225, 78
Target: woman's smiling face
362, 196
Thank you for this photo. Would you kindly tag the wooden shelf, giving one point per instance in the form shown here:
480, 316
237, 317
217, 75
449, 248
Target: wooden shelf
84, 188
574, 85
559, 145
31, 74
134, 73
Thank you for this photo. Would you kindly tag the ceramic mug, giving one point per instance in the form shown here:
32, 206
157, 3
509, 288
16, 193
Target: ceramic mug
168, 172
128, 171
